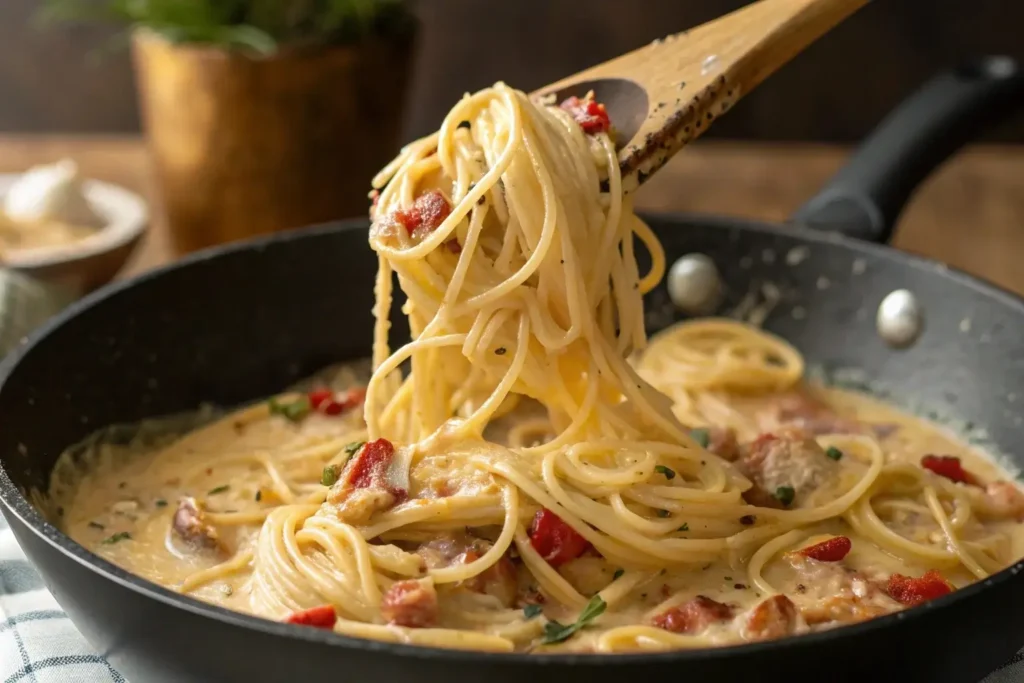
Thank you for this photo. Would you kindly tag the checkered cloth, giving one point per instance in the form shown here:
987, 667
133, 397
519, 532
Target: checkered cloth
39, 644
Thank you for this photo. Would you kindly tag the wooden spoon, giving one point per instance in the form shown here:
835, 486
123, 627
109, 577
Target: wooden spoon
666, 94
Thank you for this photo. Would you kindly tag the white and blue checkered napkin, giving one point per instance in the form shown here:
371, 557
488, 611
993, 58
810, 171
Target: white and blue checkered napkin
39, 644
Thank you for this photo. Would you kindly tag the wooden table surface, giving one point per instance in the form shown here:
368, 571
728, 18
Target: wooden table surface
970, 214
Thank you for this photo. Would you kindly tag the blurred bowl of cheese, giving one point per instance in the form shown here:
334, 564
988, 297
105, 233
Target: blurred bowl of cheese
63, 229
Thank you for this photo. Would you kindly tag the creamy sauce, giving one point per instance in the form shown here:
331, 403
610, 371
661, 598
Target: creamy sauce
122, 506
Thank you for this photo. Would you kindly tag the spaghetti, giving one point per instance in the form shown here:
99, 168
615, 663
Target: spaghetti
542, 477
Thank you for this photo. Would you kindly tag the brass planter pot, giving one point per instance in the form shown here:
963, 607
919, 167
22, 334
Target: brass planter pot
246, 145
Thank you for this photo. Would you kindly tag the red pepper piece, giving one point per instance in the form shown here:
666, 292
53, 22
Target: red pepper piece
950, 467
554, 540
317, 617
327, 402
832, 550
913, 591
591, 115
427, 212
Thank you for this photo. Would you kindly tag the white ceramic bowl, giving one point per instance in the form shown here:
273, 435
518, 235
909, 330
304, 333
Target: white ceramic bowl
95, 260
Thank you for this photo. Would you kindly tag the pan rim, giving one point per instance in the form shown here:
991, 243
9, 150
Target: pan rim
17, 504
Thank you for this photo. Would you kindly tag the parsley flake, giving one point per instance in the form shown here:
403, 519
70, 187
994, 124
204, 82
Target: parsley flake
219, 489
329, 476
785, 495
352, 448
160, 503
701, 436
294, 411
669, 473
834, 453
532, 610
117, 538
618, 573
684, 527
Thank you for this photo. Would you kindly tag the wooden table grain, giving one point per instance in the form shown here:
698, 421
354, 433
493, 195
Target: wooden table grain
970, 214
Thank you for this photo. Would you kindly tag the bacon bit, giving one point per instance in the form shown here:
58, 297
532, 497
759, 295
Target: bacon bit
554, 540
949, 466
410, 603
1002, 500
832, 550
692, 616
774, 618
189, 522
427, 212
591, 115
327, 402
911, 591
317, 617
499, 580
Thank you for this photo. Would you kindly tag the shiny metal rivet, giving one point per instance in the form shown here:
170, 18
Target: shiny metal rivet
900, 318
694, 284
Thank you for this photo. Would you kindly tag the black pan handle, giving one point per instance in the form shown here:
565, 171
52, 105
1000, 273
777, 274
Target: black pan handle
865, 198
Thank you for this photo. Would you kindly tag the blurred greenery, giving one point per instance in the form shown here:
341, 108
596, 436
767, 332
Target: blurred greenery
260, 26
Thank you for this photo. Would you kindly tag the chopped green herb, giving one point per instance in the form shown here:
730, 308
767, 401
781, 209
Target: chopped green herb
259, 495
294, 411
785, 495
701, 436
555, 632
118, 537
684, 527
532, 610
669, 473
160, 503
664, 513
834, 453
352, 448
727, 578
329, 476
618, 573
219, 489
96, 525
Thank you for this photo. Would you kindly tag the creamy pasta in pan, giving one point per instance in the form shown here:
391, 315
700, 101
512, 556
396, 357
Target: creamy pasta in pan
545, 477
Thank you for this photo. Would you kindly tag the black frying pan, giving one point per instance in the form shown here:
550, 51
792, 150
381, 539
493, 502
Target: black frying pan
240, 322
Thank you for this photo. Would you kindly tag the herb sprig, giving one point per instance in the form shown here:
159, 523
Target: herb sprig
555, 632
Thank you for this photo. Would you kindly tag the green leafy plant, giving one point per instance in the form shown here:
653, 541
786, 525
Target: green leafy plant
261, 26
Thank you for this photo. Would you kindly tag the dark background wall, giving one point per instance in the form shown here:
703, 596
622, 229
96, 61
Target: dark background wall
68, 78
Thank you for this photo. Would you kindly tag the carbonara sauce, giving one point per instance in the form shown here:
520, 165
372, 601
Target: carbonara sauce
123, 508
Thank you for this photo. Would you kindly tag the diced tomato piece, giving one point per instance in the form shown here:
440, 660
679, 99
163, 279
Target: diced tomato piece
692, 616
317, 617
327, 402
832, 550
427, 212
554, 540
592, 116
950, 467
369, 468
911, 591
